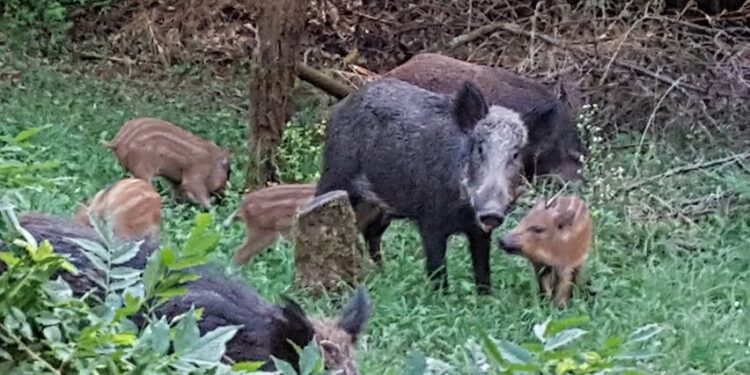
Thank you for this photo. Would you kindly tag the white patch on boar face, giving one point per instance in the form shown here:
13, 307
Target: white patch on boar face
493, 171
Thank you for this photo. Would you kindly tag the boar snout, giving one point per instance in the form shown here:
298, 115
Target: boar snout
490, 220
510, 243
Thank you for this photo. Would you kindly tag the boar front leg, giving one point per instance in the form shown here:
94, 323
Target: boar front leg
434, 244
257, 240
564, 287
195, 189
479, 244
546, 279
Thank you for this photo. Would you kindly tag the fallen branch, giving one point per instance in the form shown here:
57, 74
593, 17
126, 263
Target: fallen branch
685, 169
322, 81
122, 60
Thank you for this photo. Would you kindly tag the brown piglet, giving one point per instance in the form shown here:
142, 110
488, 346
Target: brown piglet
555, 237
132, 205
149, 147
268, 213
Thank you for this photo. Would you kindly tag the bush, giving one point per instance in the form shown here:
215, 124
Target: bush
551, 353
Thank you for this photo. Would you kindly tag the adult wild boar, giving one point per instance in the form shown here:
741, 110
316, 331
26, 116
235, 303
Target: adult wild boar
451, 164
553, 148
149, 147
267, 329
59, 231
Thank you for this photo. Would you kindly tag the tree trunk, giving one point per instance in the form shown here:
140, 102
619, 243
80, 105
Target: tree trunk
280, 25
328, 256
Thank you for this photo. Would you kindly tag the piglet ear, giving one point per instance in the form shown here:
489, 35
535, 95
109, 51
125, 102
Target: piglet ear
297, 327
356, 314
469, 107
565, 218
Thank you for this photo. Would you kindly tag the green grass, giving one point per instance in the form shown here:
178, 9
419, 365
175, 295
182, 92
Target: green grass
649, 263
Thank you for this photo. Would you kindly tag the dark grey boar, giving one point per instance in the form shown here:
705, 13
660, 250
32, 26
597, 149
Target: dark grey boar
554, 147
451, 164
149, 147
58, 231
267, 329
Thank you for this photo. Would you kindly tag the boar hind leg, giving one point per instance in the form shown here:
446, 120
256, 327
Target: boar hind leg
434, 244
373, 233
564, 287
479, 244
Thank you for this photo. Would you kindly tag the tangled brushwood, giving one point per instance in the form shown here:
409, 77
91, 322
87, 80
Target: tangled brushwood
647, 64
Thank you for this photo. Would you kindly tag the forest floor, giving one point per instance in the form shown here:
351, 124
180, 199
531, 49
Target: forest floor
672, 251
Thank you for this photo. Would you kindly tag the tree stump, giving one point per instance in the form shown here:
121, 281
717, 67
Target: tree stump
328, 255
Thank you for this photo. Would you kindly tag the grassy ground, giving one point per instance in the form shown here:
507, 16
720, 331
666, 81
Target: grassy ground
657, 258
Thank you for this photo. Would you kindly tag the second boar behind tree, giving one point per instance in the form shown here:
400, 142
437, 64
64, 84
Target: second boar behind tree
449, 163
149, 147
554, 146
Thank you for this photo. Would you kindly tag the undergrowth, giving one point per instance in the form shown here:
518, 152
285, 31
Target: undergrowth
670, 253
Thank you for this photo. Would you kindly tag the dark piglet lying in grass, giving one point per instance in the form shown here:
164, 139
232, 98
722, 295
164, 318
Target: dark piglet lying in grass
149, 147
449, 163
58, 231
554, 147
268, 328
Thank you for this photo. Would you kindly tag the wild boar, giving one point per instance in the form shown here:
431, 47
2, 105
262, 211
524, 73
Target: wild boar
554, 147
132, 205
149, 147
268, 213
58, 231
451, 164
555, 237
267, 329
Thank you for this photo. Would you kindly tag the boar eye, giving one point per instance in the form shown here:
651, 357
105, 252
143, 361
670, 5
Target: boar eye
515, 155
537, 230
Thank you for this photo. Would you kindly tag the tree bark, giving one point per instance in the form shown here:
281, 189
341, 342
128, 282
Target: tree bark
327, 253
280, 26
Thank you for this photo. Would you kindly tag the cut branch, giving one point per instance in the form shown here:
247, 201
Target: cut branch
322, 81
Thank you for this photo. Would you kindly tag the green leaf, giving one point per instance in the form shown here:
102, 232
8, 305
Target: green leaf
247, 366
612, 345
415, 364
131, 306
540, 330
155, 337
210, 347
514, 353
201, 240
491, 349
123, 338
125, 252
5, 355
310, 359
94, 251
124, 273
152, 272
558, 326
25, 135
122, 284
186, 333
52, 334
635, 355
563, 338
167, 257
9, 259
173, 292
188, 277
283, 366
644, 333
188, 262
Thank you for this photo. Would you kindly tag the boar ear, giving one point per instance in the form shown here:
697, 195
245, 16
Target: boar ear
565, 218
355, 314
539, 114
297, 327
470, 106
